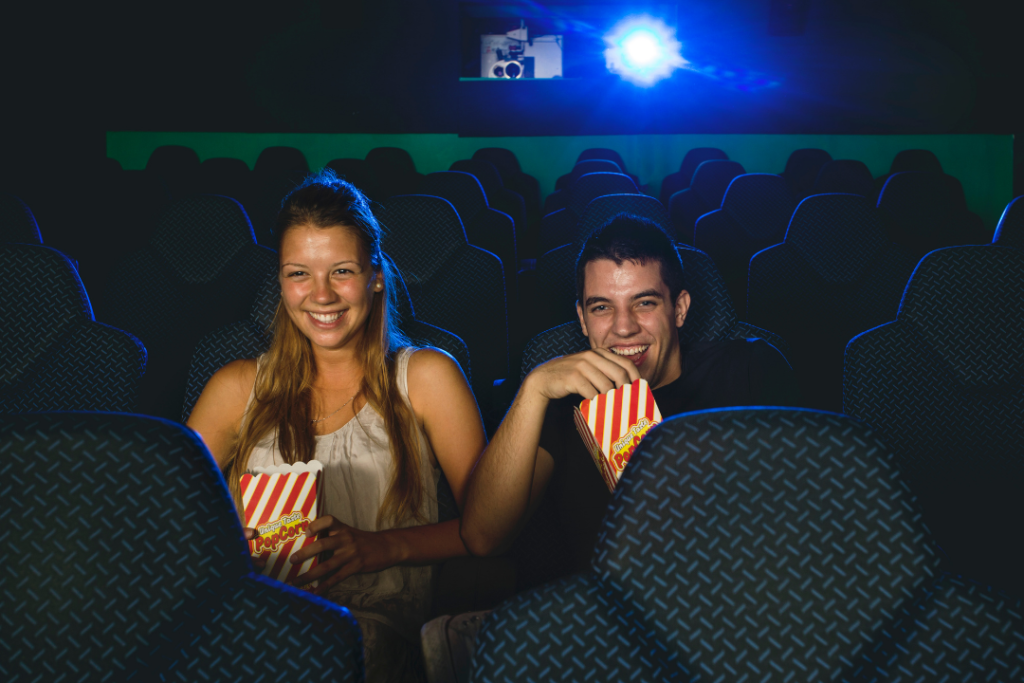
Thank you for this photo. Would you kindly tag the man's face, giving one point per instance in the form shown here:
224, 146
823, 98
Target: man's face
626, 308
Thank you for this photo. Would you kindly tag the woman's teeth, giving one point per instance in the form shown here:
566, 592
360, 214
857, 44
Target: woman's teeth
325, 317
629, 350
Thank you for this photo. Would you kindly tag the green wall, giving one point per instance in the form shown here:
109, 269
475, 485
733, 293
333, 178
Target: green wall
983, 163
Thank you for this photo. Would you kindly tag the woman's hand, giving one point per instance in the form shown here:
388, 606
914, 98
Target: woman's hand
258, 561
352, 552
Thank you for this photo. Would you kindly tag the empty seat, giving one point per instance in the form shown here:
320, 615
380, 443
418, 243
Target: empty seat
499, 197
731, 550
847, 176
680, 180
1010, 231
610, 155
559, 227
278, 159
359, 173
705, 193
452, 284
556, 270
755, 213
17, 224
177, 167
802, 168
557, 199
200, 270
394, 170
711, 317
224, 176
526, 186
943, 384
56, 357
278, 171
927, 211
915, 160
485, 227
835, 275
154, 579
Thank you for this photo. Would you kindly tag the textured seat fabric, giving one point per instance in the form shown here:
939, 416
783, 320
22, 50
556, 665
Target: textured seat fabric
944, 386
357, 172
848, 176
394, 170
559, 227
200, 270
17, 224
56, 357
177, 167
556, 269
451, 283
927, 211
731, 550
1010, 231
755, 213
835, 275
485, 227
227, 177
705, 193
557, 199
680, 180
149, 578
499, 197
711, 317
802, 168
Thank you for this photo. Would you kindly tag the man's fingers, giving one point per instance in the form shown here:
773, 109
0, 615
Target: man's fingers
625, 371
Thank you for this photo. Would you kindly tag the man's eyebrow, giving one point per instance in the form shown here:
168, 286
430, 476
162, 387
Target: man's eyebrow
648, 292
591, 300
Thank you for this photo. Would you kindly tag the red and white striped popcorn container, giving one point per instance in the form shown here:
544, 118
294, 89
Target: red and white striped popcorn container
612, 425
280, 503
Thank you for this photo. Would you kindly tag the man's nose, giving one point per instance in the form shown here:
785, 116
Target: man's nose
625, 323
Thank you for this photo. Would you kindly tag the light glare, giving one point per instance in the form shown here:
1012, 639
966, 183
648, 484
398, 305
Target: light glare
643, 50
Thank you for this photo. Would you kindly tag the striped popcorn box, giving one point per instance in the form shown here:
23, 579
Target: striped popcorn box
280, 503
612, 425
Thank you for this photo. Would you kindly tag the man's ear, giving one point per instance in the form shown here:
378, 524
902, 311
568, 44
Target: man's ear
682, 307
583, 322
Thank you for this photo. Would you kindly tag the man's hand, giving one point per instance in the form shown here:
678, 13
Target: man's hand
588, 374
352, 552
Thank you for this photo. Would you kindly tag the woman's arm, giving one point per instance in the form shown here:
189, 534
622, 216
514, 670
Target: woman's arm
217, 415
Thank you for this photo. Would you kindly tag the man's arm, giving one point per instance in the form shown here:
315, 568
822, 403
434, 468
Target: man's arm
513, 472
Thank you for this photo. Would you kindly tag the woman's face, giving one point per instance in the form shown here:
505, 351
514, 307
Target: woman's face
327, 284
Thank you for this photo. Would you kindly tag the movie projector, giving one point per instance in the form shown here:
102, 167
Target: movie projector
514, 55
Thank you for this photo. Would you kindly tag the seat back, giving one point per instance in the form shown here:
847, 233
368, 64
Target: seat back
680, 180
915, 160
503, 159
394, 170
56, 357
602, 153
580, 169
281, 159
1010, 231
560, 227
802, 168
731, 538
225, 176
848, 176
711, 316
143, 498
357, 172
705, 193
17, 224
201, 270
499, 197
835, 275
755, 213
452, 284
177, 167
927, 211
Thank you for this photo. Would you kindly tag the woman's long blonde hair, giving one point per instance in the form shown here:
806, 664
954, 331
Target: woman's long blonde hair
283, 396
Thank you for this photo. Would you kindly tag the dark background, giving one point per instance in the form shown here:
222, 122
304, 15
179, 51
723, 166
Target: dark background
858, 66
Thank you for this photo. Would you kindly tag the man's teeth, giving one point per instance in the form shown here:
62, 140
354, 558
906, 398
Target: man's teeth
629, 350
325, 317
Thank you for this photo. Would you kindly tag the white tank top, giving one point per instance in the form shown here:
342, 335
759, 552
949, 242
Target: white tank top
357, 470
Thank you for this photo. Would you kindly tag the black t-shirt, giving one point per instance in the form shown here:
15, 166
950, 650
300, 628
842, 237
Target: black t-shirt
739, 372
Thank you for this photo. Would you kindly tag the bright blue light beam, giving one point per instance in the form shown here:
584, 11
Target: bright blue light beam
643, 50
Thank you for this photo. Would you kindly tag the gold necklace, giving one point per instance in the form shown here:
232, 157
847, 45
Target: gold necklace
336, 411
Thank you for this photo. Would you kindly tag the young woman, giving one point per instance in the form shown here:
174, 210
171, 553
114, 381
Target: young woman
340, 384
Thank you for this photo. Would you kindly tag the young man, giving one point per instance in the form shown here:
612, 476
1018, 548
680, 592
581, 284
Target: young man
631, 304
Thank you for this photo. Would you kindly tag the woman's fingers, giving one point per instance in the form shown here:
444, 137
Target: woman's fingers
343, 573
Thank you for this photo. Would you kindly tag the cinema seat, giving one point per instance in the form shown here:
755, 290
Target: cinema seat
733, 550
512, 175
680, 180
847, 176
610, 155
705, 193
499, 197
394, 170
277, 171
835, 275
559, 227
755, 213
357, 172
200, 270
227, 177
177, 167
452, 284
711, 317
17, 223
943, 384
1010, 231
149, 578
56, 357
556, 200
802, 168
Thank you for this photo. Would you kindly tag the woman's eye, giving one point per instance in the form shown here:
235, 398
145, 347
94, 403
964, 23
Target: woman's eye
295, 272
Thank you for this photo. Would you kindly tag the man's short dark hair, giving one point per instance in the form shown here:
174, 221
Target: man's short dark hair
626, 237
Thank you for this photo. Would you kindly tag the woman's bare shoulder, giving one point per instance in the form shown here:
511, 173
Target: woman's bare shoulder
237, 377
429, 365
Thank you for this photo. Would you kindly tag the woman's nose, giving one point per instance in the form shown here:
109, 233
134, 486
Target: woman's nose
322, 292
